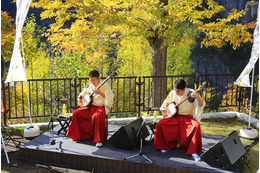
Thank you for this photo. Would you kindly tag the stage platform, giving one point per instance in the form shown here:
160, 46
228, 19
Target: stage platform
84, 155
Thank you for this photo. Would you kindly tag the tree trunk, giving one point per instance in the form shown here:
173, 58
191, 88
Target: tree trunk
158, 69
158, 84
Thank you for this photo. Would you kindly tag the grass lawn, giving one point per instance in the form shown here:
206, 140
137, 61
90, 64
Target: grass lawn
224, 127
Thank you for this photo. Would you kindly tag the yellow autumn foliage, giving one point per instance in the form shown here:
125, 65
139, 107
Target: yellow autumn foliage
104, 21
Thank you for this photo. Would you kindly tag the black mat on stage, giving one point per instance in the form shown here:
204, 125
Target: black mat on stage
174, 158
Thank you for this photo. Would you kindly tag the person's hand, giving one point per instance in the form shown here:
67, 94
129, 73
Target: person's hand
97, 91
195, 95
164, 111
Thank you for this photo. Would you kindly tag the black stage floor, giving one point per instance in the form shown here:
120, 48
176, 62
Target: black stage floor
84, 155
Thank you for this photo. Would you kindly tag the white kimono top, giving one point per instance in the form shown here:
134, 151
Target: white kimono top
98, 100
186, 108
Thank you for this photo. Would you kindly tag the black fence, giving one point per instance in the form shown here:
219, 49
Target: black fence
131, 94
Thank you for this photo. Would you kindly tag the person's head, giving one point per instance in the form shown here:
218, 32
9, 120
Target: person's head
179, 86
94, 77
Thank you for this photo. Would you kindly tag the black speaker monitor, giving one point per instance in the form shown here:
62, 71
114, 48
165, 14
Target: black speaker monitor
125, 137
225, 153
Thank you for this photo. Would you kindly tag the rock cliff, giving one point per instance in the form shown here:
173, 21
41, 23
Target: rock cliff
227, 60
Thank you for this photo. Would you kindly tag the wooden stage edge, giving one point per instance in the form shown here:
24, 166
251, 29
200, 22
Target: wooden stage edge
89, 162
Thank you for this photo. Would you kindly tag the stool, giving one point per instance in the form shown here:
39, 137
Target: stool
7, 137
64, 122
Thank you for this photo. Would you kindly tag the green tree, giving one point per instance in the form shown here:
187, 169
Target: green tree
37, 62
160, 22
66, 64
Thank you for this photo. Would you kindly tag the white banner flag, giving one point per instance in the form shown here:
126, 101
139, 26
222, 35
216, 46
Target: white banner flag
16, 70
21, 13
243, 79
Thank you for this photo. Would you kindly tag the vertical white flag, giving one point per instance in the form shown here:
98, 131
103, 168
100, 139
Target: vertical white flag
21, 13
16, 70
243, 79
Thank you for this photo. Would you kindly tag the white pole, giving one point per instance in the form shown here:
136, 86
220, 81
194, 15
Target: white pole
252, 86
29, 105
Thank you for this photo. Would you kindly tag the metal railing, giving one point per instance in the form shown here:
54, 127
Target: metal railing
131, 94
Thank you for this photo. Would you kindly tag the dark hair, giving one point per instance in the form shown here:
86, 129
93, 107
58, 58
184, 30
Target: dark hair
180, 84
94, 73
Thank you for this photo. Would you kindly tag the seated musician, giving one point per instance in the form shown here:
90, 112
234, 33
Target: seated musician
183, 128
89, 121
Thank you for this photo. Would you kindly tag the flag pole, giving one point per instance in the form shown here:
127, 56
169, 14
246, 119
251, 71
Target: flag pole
251, 97
31, 131
28, 99
250, 133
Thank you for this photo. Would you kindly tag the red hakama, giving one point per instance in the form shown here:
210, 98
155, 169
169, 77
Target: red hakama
88, 123
183, 130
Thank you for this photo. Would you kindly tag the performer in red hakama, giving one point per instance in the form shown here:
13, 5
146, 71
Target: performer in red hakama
184, 128
90, 121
